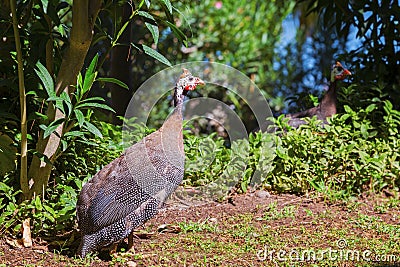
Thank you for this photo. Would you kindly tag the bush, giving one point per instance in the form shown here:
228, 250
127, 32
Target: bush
56, 212
346, 157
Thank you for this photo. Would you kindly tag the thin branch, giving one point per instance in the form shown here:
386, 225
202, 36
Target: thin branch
22, 100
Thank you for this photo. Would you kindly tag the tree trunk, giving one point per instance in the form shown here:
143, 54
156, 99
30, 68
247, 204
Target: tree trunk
84, 14
121, 69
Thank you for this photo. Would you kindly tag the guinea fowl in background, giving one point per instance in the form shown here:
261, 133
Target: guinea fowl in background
327, 107
129, 190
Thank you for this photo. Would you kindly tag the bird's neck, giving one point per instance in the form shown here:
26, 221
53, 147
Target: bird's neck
329, 101
172, 127
179, 96
178, 108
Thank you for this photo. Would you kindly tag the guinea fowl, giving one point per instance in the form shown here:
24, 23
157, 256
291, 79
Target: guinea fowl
327, 107
130, 190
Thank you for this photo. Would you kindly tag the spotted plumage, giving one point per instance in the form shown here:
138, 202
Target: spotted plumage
129, 191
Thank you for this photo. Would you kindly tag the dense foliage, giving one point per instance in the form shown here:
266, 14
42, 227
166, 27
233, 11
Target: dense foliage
361, 34
346, 157
254, 30
83, 158
52, 105
349, 156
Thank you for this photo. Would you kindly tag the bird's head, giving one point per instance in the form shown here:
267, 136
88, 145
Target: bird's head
339, 73
187, 82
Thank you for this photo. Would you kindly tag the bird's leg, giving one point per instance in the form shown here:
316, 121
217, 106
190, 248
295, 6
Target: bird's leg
130, 242
113, 248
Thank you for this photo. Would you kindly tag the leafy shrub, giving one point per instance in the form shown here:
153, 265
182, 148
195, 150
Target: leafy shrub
343, 158
56, 212
205, 158
243, 163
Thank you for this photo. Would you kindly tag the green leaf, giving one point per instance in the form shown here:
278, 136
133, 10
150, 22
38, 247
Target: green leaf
93, 99
154, 54
345, 116
168, 5
65, 97
154, 31
46, 79
91, 69
94, 105
61, 30
38, 203
74, 134
59, 104
113, 80
281, 152
123, 28
64, 145
388, 107
243, 186
54, 98
31, 93
90, 75
177, 32
364, 131
93, 129
79, 116
348, 109
364, 156
87, 142
370, 108
45, 3
314, 99
87, 84
146, 15
60, 101
79, 83
52, 127
49, 217
5, 188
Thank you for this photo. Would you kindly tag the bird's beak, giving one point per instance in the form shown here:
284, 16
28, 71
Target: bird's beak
343, 75
346, 72
200, 82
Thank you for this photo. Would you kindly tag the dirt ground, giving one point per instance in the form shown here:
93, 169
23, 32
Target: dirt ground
244, 230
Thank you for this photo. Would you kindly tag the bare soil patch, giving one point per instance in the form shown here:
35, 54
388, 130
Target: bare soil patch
246, 230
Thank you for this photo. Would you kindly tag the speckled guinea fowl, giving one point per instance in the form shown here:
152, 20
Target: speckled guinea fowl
327, 107
129, 191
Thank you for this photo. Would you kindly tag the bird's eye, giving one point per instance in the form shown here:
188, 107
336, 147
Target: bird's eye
339, 68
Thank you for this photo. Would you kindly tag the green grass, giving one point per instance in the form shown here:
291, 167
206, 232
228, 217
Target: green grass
244, 235
256, 236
